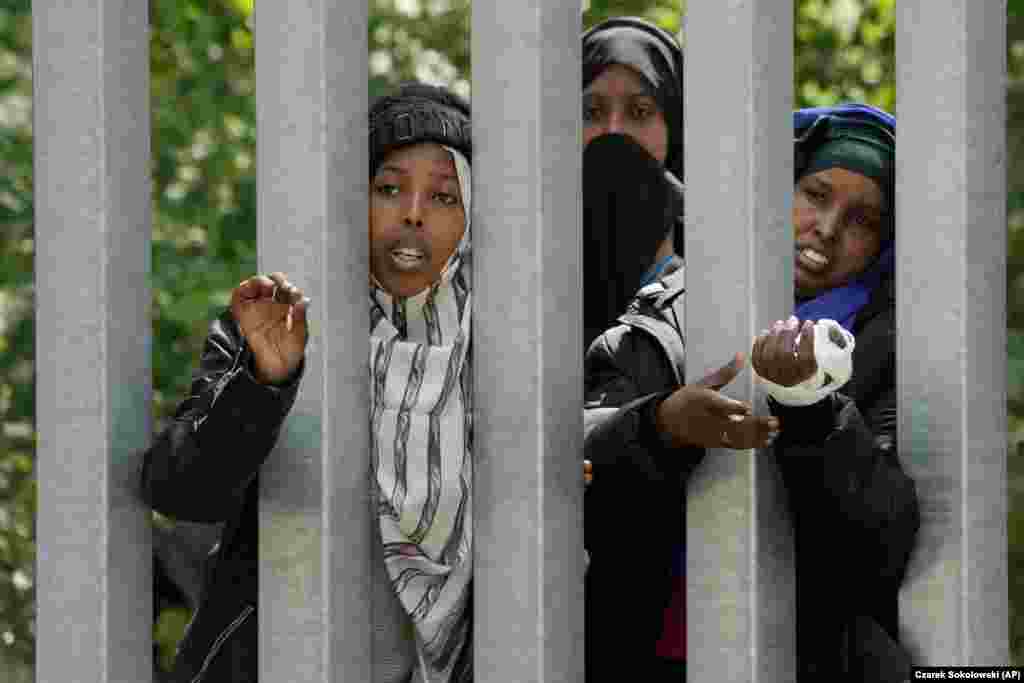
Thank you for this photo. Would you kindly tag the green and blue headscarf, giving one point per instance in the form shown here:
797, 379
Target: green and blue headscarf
862, 139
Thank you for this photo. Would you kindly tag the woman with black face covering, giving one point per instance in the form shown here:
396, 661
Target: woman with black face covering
632, 164
854, 510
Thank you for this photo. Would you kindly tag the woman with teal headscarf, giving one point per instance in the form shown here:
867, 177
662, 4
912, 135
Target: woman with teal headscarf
830, 373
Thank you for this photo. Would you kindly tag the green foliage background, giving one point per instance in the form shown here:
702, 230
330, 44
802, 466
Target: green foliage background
204, 209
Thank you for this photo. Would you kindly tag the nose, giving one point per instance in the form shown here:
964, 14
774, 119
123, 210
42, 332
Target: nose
414, 210
615, 122
827, 224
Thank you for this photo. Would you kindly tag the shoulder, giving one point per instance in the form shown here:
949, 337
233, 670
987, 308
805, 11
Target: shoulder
874, 357
647, 344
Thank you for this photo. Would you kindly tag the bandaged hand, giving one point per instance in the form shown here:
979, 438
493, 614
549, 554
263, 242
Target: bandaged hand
801, 363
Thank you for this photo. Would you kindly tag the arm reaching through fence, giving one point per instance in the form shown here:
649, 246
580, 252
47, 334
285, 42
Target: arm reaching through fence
199, 467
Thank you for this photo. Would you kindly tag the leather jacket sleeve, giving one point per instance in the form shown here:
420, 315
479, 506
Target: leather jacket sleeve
626, 379
855, 518
199, 467
843, 472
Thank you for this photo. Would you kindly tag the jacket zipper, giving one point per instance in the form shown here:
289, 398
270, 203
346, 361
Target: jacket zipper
219, 642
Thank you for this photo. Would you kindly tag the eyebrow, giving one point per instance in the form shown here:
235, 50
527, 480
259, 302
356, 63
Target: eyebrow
590, 94
401, 171
861, 204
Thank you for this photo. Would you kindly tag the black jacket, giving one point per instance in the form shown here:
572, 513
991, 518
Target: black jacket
203, 468
855, 511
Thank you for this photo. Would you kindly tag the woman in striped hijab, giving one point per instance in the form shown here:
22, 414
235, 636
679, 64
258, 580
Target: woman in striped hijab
204, 467
420, 381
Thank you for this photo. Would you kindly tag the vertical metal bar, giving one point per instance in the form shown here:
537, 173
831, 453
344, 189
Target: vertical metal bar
92, 193
739, 245
951, 316
527, 341
315, 534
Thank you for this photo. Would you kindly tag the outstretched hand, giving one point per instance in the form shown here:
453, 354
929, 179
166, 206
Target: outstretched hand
271, 313
699, 415
784, 354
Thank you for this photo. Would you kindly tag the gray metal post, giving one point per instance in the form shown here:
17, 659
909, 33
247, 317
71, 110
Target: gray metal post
951, 315
739, 278
315, 583
528, 500
92, 237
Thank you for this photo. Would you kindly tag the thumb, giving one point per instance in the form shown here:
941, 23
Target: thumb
806, 348
723, 406
723, 375
300, 314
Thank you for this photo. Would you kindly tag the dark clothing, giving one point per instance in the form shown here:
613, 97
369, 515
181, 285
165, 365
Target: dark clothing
855, 511
203, 468
624, 223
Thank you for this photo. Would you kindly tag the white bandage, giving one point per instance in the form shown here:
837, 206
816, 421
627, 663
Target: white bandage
835, 366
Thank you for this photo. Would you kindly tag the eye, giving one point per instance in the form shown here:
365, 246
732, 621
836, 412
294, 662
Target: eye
590, 112
447, 199
816, 196
385, 189
864, 222
642, 111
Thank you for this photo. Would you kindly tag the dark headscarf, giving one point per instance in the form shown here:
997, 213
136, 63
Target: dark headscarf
652, 53
862, 139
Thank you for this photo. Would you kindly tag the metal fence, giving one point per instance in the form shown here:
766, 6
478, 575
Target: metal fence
94, 340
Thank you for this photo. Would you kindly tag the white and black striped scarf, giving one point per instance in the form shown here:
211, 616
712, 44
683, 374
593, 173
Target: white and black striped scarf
422, 457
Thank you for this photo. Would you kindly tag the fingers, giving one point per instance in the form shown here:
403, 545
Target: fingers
284, 291
722, 406
805, 350
274, 286
784, 354
255, 288
300, 311
723, 375
588, 472
743, 432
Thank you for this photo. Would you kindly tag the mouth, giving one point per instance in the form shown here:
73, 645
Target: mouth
812, 260
407, 259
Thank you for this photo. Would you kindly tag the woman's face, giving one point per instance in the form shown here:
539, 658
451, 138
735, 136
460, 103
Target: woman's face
617, 102
837, 217
416, 217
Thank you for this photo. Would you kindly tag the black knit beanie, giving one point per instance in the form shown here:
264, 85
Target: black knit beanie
416, 113
656, 56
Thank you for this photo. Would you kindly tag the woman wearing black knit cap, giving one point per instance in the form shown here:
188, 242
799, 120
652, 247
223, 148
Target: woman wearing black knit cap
829, 371
204, 467
632, 164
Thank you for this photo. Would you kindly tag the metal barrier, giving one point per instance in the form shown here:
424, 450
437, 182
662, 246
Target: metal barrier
93, 338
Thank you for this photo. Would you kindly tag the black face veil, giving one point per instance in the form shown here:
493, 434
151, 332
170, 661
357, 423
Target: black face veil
628, 205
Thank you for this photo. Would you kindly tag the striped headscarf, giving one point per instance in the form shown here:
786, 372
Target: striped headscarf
422, 457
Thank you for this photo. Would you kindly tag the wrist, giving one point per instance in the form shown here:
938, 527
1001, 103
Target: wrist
267, 378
